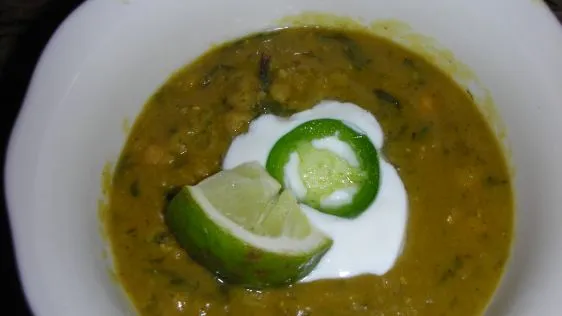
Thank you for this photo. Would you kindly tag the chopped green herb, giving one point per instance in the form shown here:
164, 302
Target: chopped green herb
271, 106
156, 260
384, 96
184, 284
350, 49
264, 72
161, 238
213, 73
494, 181
470, 94
357, 60
131, 232
417, 78
462, 147
397, 133
452, 271
408, 62
225, 105
422, 132
177, 281
134, 189
180, 160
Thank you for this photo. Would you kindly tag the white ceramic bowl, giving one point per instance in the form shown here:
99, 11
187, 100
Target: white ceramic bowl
110, 55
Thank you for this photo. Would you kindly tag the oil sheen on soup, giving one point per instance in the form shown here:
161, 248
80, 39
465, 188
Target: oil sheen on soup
460, 212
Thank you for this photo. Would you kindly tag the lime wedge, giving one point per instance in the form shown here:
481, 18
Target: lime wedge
238, 225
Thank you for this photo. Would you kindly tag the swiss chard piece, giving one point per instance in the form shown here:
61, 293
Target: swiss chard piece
270, 106
422, 132
213, 74
134, 189
265, 72
350, 49
386, 97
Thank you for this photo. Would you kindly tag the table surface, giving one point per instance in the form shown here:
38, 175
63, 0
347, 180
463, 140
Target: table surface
25, 28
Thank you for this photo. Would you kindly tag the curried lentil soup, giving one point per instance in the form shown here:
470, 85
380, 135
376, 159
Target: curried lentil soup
460, 199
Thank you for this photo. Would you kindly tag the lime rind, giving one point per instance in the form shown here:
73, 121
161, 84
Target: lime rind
273, 246
282, 244
235, 255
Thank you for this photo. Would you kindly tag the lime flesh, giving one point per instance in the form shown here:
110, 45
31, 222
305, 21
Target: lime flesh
323, 172
239, 226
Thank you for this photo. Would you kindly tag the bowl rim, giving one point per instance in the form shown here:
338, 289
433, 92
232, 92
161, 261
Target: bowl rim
88, 16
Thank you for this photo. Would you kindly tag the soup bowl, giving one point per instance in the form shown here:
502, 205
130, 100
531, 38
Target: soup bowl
109, 56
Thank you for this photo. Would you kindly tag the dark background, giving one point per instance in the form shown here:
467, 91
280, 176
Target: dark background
25, 28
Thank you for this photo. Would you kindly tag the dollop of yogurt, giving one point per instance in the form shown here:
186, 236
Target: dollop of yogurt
370, 243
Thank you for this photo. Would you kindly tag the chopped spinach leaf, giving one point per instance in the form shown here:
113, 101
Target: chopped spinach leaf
452, 271
172, 130
350, 49
156, 260
264, 72
180, 160
134, 189
271, 106
422, 132
131, 232
184, 284
161, 238
177, 281
384, 96
494, 181
417, 78
214, 73
408, 62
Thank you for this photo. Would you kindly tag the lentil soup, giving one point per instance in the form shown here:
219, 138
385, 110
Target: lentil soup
459, 190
